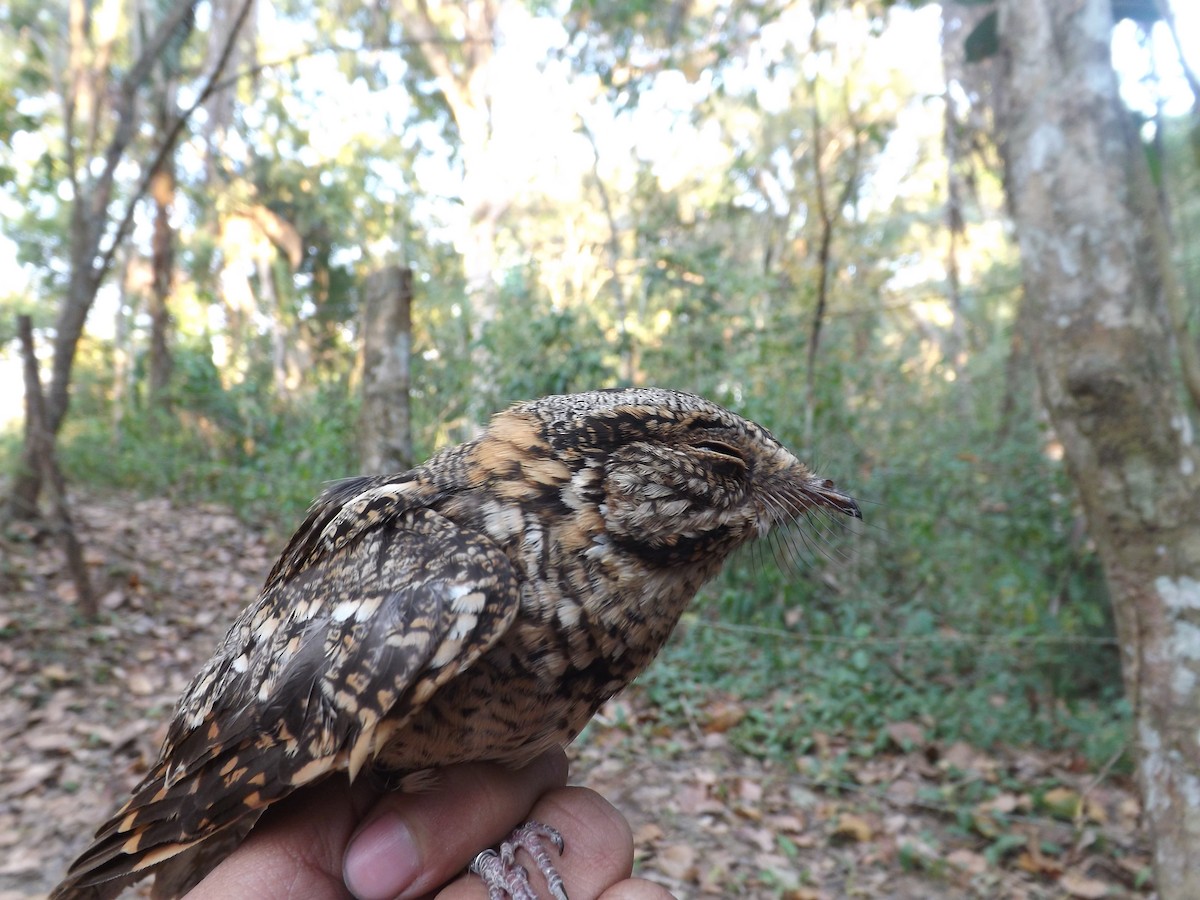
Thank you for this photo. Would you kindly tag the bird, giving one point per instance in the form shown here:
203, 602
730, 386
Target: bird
481, 606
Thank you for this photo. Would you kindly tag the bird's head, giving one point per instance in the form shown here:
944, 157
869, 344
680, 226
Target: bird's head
675, 479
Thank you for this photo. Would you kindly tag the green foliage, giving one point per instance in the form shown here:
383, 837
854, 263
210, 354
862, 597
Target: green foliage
236, 445
795, 684
541, 349
966, 602
983, 42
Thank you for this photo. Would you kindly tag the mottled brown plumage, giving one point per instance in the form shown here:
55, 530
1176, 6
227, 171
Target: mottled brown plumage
481, 606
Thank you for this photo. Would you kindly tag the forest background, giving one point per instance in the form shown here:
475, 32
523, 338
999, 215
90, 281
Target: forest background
797, 209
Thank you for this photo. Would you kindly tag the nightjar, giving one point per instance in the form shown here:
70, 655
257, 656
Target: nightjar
481, 606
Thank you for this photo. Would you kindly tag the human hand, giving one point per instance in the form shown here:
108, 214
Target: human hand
335, 841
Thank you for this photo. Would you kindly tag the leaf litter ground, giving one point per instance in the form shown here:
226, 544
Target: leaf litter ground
83, 709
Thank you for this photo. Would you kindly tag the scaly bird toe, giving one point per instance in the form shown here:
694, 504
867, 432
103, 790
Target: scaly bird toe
508, 880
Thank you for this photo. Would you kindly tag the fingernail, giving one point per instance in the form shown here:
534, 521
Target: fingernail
381, 860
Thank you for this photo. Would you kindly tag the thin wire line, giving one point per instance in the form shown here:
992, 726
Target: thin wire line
922, 640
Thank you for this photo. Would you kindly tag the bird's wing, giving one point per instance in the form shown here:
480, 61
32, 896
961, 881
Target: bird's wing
366, 617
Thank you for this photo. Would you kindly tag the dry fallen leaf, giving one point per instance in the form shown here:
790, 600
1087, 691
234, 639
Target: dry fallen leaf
903, 792
139, 683
1079, 885
962, 757
694, 799
723, 715
31, 776
51, 742
1094, 811
906, 735
1062, 803
56, 674
22, 860
1032, 860
677, 861
851, 827
968, 861
1002, 803
649, 833
786, 823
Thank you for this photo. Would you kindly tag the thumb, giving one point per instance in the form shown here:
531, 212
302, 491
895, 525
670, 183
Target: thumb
409, 844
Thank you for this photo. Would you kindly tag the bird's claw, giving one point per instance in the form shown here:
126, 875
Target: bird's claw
508, 880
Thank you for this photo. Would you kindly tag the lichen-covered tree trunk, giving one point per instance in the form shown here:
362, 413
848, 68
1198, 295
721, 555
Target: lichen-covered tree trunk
1092, 269
385, 429
162, 262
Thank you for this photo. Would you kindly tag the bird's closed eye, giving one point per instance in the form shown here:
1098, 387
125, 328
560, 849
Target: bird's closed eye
721, 448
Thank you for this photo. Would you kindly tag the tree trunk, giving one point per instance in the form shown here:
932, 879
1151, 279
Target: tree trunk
829, 216
40, 437
93, 213
124, 370
81, 291
385, 442
956, 349
1092, 269
162, 189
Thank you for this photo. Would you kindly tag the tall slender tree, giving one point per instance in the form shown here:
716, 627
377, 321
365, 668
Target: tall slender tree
1093, 270
100, 121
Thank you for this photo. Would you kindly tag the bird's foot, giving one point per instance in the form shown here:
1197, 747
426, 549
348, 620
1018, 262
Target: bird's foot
506, 879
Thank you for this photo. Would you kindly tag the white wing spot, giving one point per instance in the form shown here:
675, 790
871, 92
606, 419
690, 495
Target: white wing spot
347, 609
447, 652
567, 613
462, 626
266, 628
502, 520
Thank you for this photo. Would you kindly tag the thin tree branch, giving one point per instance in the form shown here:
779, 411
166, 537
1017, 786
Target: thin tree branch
823, 251
125, 108
309, 52
167, 144
1168, 16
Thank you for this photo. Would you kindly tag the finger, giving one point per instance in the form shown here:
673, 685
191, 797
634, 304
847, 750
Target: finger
295, 851
637, 889
598, 854
410, 843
